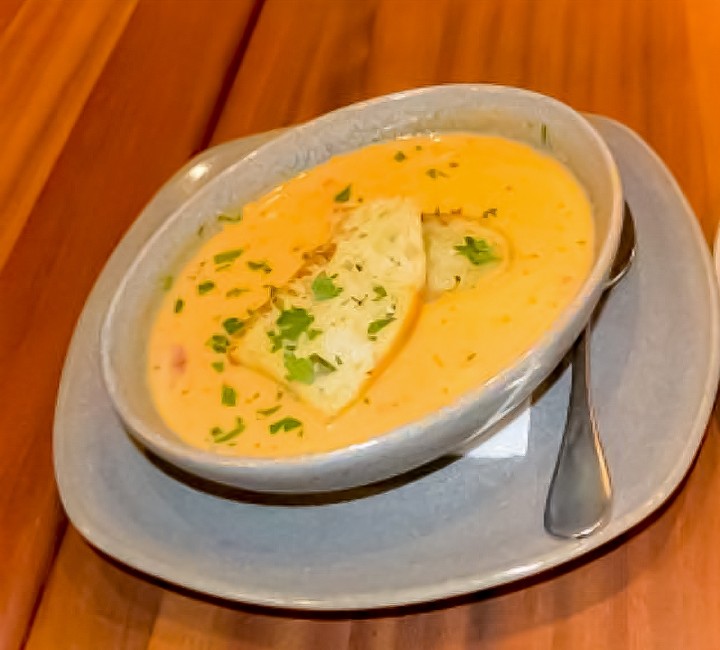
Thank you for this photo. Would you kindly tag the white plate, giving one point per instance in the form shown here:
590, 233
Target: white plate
467, 525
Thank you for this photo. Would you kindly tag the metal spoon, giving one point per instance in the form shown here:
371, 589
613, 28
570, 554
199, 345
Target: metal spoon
580, 495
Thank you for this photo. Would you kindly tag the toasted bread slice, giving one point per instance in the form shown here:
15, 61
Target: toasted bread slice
460, 253
333, 327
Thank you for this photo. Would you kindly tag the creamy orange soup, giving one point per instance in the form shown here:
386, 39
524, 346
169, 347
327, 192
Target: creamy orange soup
459, 339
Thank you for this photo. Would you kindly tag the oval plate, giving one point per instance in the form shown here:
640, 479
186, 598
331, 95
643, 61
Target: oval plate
469, 525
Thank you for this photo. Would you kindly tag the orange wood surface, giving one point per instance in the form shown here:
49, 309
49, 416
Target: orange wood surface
152, 81
68, 45
149, 111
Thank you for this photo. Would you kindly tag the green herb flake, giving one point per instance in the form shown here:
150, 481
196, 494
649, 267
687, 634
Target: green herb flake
201, 230
321, 366
324, 288
435, 173
418, 147
218, 366
269, 411
338, 360
478, 251
260, 265
227, 256
399, 156
230, 218
377, 325
223, 436
235, 292
232, 325
204, 287
313, 333
291, 324
167, 283
286, 424
179, 304
218, 342
380, 292
344, 195
544, 134
490, 212
228, 395
299, 369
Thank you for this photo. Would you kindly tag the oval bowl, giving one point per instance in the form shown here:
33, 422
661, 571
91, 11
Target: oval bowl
514, 113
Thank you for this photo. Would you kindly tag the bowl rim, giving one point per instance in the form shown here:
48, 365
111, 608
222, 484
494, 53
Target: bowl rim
186, 456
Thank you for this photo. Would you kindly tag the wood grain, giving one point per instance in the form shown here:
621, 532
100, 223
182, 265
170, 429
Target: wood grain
118, 610
68, 43
148, 112
649, 63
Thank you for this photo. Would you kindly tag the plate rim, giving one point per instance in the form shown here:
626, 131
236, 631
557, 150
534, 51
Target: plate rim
168, 573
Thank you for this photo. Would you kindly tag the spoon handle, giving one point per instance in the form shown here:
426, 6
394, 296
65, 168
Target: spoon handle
580, 495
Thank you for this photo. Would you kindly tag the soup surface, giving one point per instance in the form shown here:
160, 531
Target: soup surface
508, 238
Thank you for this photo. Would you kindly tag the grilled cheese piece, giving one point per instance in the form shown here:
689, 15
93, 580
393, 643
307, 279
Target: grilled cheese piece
460, 253
336, 324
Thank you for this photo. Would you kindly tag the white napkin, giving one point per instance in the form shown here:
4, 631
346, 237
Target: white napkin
507, 439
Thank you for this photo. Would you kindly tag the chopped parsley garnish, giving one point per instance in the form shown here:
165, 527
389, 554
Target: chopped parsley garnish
434, 173
304, 370
235, 292
544, 134
380, 292
454, 164
227, 256
299, 369
228, 395
286, 424
268, 412
321, 365
478, 251
179, 304
260, 265
167, 282
223, 436
206, 286
324, 288
313, 333
291, 324
230, 218
201, 230
218, 366
377, 325
218, 342
490, 212
343, 196
399, 156
232, 325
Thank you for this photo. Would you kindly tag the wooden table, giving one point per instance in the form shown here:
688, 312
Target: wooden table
101, 100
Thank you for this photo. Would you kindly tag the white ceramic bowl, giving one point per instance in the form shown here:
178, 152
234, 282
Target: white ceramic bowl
511, 112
